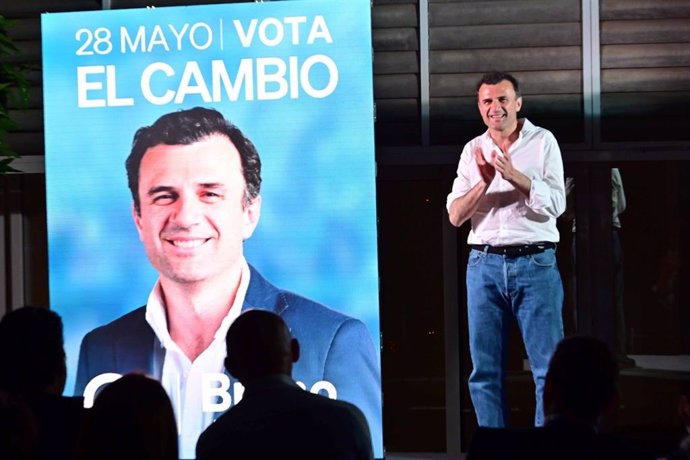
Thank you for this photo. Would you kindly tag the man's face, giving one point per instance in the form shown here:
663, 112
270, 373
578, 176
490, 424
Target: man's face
193, 217
499, 106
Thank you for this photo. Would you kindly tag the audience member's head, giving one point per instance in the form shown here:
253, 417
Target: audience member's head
18, 429
259, 344
32, 355
132, 419
582, 379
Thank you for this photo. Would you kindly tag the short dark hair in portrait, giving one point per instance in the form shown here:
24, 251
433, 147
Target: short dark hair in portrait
186, 127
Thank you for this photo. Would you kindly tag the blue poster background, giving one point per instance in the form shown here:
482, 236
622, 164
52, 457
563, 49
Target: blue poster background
317, 233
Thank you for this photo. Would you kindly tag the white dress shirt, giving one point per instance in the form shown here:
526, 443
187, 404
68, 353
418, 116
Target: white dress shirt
182, 378
505, 216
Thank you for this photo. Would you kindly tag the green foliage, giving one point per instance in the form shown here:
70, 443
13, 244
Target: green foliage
14, 92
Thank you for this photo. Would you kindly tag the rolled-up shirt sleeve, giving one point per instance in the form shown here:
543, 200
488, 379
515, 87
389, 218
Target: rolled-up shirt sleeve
547, 192
462, 183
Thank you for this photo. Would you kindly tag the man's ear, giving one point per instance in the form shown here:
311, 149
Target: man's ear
518, 104
136, 215
252, 212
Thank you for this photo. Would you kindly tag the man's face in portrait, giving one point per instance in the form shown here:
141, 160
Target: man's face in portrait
499, 105
193, 216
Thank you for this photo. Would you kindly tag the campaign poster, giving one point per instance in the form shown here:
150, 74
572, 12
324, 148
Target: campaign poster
296, 78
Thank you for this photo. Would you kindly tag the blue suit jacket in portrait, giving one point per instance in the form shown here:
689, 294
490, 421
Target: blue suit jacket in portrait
334, 347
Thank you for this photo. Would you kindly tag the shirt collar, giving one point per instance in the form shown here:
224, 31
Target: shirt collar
157, 318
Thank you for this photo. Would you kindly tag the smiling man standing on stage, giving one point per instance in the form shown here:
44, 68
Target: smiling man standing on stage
510, 185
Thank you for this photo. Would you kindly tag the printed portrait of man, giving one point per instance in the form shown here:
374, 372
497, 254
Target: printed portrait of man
195, 181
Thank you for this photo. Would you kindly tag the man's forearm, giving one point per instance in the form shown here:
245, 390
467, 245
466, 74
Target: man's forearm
521, 182
462, 209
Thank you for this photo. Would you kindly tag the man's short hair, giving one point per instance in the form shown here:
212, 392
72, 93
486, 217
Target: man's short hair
583, 376
131, 418
32, 354
259, 343
495, 77
186, 127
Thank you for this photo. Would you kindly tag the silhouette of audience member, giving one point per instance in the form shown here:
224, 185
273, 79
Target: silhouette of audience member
682, 452
32, 369
18, 429
275, 418
132, 418
581, 387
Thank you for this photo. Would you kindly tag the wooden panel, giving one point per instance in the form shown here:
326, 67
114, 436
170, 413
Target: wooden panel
395, 86
34, 76
396, 63
27, 139
395, 39
505, 36
394, 134
122, 4
455, 132
543, 107
566, 130
29, 51
645, 104
655, 55
553, 82
388, 110
511, 12
489, 3
484, 60
392, 62
453, 85
633, 80
26, 143
25, 29
551, 106
454, 108
35, 98
27, 8
385, 16
647, 31
392, 2
644, 9
645, 129
28, 120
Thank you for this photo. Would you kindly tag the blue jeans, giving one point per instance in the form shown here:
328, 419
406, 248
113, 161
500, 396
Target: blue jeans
500, 288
